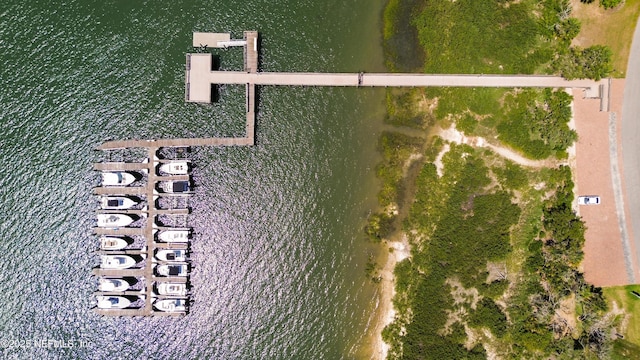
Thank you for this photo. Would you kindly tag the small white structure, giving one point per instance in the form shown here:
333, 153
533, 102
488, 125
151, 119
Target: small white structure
215, 40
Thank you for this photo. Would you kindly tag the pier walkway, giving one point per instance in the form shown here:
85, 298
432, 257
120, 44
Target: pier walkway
200, 78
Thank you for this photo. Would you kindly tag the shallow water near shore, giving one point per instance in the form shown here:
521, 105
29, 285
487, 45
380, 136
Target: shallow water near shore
278, 251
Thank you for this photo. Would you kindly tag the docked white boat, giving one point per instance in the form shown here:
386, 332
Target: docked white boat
175, 168
172, 289
180, 236
114, 220
172, 255
113, 285
117, 178
175, 187
117, 262
173, 270
117, 202
112, 243
171, 305
113, 302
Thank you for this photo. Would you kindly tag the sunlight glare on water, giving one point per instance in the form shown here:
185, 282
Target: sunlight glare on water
278, 249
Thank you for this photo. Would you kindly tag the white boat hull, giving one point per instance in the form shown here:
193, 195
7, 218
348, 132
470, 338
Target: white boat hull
175, 168
176, 187
171, 305
172, 289
112, 243
113, 285
118, 262
114, 220
179, 236
180, 270
113, 302
172, 255
117, 178
117, 202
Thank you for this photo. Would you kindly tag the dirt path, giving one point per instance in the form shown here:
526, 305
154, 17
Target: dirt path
453, 135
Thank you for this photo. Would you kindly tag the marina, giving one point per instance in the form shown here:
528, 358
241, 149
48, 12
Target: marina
154, 263
169, 177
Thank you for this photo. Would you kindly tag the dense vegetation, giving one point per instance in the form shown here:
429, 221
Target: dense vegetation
494, 261
535, 122
551, 277
607, 4
395, 149
490, 37
476, 37
461, 223
593, 62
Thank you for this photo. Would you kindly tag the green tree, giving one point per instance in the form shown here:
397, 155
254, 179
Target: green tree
490, 315
596, 62
550, 121
379, 226
608, 4
567, 29
593, 62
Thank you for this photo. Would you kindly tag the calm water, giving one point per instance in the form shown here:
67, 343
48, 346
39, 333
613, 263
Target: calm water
279, 254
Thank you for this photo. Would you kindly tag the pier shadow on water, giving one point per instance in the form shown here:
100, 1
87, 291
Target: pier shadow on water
256, 109
215, 62
260, 54
215, 66
215, 93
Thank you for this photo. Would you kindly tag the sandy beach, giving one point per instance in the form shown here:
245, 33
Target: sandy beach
385, 312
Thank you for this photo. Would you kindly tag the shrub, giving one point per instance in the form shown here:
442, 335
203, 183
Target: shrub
536, 122
467, 123
608, 4
593, 62
379, 226
490, 315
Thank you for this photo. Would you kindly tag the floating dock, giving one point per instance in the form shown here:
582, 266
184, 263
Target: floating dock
146, 272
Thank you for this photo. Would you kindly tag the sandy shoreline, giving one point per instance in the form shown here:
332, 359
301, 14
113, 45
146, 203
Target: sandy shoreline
385, 310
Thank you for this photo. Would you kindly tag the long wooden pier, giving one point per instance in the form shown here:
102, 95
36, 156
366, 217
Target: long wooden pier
201, 74
200, 77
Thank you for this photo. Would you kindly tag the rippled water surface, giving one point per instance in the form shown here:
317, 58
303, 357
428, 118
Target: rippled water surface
278, 251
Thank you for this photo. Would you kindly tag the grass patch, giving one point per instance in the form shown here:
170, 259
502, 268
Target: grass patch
624, 350
511, 176
468, 36
481, 101
408, 107
623, 297
613, 27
